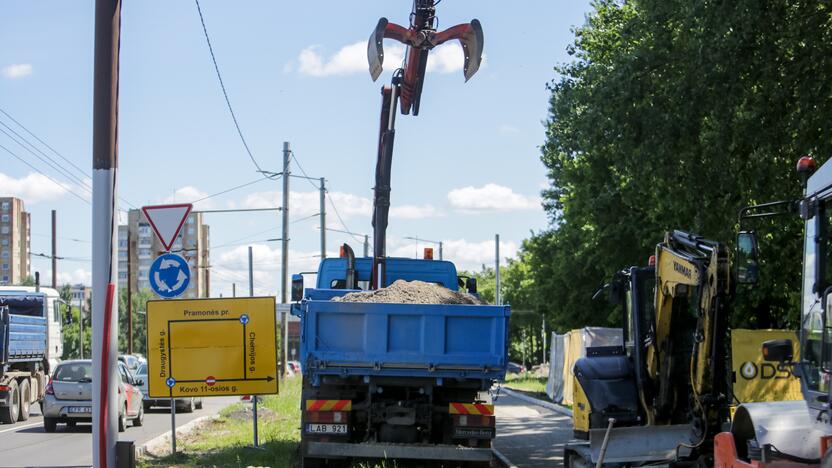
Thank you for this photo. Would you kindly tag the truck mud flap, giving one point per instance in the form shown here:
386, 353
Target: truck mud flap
397, 451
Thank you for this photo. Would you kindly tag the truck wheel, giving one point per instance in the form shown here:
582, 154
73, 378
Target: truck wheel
8, 414
199, 404
23, 414
50, 424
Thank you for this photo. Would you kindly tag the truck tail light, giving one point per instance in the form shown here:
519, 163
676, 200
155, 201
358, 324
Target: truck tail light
49, 390
4, 388
470, 420
328, 417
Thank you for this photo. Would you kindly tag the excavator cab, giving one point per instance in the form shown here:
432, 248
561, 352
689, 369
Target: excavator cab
608, 377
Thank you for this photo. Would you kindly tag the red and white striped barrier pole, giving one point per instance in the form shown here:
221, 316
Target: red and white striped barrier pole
104, 232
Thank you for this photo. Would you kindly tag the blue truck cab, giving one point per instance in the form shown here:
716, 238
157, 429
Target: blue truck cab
396, 380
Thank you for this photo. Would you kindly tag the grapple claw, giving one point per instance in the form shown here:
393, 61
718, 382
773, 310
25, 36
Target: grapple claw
375, 49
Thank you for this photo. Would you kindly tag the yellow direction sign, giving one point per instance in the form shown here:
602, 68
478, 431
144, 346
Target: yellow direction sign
211, 347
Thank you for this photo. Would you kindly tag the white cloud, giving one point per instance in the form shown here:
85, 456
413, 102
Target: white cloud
465, 255
352, 59
232, 267
17, 70
33, 188
308, 203
508, 129
76, 276
189, 194
490, 197
414, 212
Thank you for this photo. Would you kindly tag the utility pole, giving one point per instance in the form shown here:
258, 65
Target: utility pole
250, 273
54, 252
233, 289
440, 250
366, 246
497, 299
129, 293
104, 236
81, 325
323, 218
284, 240
284, 273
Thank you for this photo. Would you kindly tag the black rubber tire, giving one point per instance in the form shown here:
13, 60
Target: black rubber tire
146, 405
50, 424
199, 404
25, 404
139, 420
188, 407
8, 414
122, 420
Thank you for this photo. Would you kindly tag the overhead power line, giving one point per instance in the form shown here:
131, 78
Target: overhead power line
331, 202
48, 161
68, 189
61, 169
230, 190
224, 91
44, 143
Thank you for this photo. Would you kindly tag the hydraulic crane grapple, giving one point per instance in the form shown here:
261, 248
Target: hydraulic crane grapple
406, 87
420, 38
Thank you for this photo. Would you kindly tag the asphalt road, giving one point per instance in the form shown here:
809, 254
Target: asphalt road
25, 444
530, 435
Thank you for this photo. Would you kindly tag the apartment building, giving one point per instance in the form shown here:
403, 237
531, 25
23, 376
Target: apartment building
192, 244
15, 242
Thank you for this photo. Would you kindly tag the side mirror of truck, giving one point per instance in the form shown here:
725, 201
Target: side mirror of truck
748, 270
471, 285
780, 351
297, 288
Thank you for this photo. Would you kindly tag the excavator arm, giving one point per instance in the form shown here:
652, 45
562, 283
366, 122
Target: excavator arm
692, 295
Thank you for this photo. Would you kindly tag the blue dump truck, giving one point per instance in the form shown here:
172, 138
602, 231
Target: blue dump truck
30, 345
396, 380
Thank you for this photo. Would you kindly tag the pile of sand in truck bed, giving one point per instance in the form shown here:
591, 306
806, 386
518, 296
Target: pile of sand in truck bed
411, 292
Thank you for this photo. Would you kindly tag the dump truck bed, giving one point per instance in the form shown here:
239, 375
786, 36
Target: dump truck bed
23, 338
403, 340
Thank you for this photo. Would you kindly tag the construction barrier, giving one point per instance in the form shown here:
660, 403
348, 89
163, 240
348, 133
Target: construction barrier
754, 379
572, 346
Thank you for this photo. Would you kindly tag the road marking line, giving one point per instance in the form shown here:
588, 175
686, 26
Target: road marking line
15, 428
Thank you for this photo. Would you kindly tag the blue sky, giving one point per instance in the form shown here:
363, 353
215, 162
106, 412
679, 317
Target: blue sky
466, 168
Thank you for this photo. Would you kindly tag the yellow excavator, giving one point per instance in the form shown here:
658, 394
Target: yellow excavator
662, 397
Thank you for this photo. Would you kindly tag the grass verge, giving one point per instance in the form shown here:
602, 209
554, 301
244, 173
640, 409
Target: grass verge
226, 441
527, 383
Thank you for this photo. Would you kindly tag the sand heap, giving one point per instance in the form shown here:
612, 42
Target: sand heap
411, 292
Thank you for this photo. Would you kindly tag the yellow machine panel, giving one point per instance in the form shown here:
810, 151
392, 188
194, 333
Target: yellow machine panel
211, 347
757, 380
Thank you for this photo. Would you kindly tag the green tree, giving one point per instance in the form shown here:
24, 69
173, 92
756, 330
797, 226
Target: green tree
139, 299
674, 115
